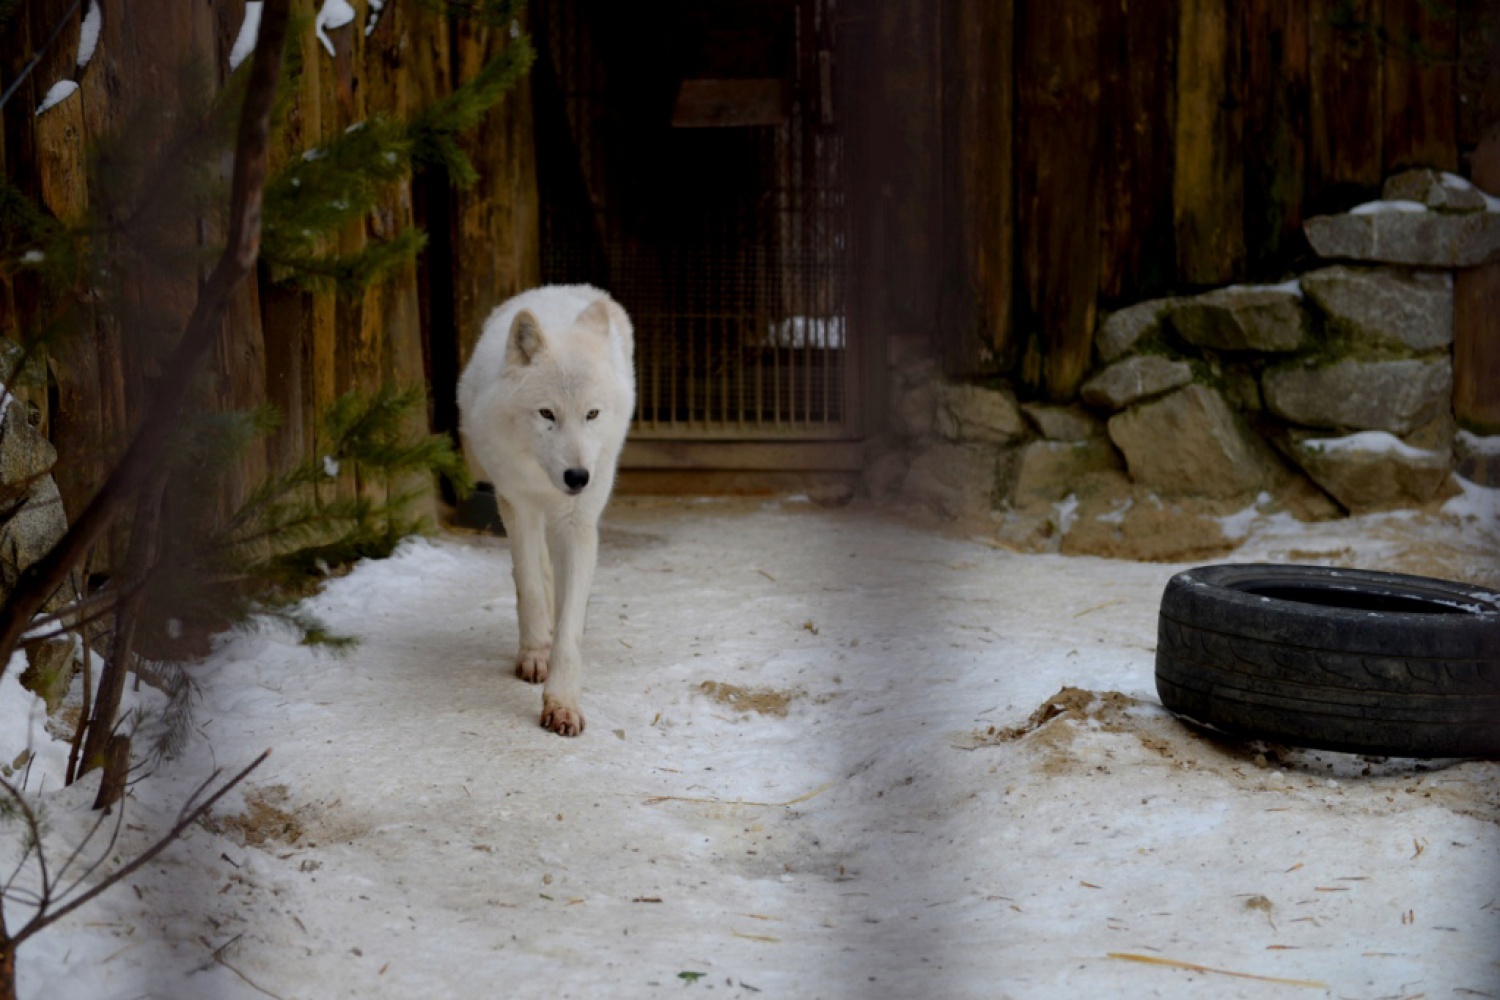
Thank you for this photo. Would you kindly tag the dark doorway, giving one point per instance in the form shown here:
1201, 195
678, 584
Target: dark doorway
690, 161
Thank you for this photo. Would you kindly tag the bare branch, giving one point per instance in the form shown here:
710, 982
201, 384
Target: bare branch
34, 831
79, 851
43, 920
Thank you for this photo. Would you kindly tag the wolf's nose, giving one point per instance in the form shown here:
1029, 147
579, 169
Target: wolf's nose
576, 479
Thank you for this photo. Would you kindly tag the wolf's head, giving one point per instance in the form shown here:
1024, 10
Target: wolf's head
571, 396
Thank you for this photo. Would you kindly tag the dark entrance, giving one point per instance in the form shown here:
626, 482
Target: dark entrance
691, 162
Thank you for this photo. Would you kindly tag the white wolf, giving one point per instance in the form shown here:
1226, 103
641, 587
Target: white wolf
544, 405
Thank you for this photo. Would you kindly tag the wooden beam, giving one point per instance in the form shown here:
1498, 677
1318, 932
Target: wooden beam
1346, 117
1058, 170
1476, 303
1208, 188
1138, 56
980, 207
1421, 98
1273, 95
745, 455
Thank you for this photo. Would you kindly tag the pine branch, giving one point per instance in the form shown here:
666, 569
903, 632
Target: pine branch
348, 273
332, 185
436, 128
34, 240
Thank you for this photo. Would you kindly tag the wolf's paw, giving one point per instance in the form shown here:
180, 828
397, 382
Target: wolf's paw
564, 720
531, 664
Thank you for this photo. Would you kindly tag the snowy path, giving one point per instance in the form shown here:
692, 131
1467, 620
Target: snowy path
415, 834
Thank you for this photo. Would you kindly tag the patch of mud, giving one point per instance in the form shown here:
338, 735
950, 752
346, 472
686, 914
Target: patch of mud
1077, 732
763, 701
265, 821
1071, 703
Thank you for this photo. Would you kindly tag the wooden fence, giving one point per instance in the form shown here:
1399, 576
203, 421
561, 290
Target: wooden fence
297, 349
1114, 151
1012, 167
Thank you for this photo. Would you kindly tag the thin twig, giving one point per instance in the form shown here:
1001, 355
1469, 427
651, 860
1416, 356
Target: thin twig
250, 982
76, 744
78, 851
1194, 967
741, 802
42, 920
99, 861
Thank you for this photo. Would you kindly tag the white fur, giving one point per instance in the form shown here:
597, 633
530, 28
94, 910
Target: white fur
576, 358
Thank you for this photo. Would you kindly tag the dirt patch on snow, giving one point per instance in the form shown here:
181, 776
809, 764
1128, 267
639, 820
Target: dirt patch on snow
266, 820
1074, 733
1070, 703
764, 701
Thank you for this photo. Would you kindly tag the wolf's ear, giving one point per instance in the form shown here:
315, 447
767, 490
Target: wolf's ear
526, 340
596, 317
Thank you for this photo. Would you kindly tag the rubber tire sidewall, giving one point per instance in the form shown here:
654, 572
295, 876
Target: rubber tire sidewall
1376, 682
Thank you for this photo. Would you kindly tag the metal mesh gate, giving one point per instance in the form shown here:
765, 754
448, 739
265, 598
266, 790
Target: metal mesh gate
726, 243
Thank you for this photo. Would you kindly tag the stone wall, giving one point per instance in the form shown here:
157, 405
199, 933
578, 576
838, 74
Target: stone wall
1325, 395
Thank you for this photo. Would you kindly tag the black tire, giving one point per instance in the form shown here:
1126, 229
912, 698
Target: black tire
1336, 659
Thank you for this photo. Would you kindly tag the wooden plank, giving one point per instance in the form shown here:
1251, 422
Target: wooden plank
497, 222
240, 351
343, 88
78, 424
393, 305
895, 188
355, 360
1346, 118
1058, 168
1274, 97
240, 365
1421, 99
982, 208
1476, 303
387, 88
319, 105
734, 483
1208, 190
769, 455
1138, 56
1478, 79
77, 420
294, 320
857, 82
61, 159
286, 315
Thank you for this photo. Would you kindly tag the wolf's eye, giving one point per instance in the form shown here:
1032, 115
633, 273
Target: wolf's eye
591, 414
548, 415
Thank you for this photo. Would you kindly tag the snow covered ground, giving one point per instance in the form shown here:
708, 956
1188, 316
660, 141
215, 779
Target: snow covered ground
798, 780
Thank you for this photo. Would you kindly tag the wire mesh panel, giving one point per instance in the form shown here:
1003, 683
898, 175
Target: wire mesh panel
725, 242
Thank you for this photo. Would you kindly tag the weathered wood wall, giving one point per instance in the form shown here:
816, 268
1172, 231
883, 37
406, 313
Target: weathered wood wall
298, 349
1159, 146
1013, 168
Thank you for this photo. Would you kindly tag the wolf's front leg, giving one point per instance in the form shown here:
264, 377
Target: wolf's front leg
532, 570
574, 544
